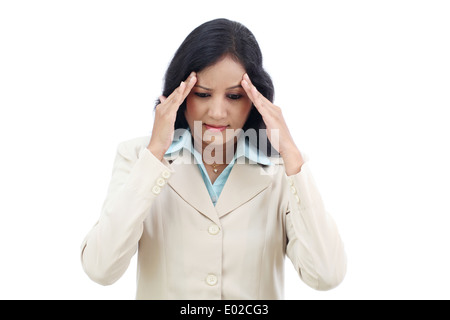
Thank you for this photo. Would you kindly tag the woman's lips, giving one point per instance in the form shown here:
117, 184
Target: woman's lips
215, 128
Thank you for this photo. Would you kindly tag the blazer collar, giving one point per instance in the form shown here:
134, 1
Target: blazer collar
244, 183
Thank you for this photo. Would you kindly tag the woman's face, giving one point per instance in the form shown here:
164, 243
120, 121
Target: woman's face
217, 102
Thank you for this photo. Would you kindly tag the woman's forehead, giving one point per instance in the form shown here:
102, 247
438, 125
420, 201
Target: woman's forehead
225, 73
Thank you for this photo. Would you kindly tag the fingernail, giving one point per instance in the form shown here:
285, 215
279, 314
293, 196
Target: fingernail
244, 82
246, 76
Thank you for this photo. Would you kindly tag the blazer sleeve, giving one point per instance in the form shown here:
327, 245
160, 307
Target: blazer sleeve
137, 179
314, 245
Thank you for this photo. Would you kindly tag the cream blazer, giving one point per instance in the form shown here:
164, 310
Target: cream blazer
190, 249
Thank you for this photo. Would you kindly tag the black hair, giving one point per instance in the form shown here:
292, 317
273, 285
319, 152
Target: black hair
205, 46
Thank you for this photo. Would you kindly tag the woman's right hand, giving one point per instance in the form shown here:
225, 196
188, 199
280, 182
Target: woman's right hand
165, 116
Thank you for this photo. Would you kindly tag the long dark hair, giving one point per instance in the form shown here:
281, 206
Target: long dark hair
203, 47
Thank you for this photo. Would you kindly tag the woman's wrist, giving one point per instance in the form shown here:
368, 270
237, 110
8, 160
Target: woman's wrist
157, 152
293, 161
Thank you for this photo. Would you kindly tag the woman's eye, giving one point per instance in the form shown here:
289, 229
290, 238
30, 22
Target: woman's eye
234, 96
202, 95
206, 95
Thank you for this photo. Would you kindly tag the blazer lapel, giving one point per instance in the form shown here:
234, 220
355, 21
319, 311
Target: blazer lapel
187, 181
244, 183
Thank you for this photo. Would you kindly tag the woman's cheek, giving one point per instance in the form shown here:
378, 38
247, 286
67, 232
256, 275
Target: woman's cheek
243, 111
190, 109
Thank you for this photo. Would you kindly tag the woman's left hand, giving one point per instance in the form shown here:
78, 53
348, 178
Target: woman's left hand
277, 130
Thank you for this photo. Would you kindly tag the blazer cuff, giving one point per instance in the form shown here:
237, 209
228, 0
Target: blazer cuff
148, 167
303, 188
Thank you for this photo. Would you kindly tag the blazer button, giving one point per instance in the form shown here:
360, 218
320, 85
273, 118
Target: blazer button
165, 174
293, 190
211, 280
160, 182
156, 189
213, 229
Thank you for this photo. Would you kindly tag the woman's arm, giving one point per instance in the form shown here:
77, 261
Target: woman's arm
314, 244
136, 181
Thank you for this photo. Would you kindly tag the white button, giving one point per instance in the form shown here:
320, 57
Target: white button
160, 182
293, 190
211, 280
165, 174
291, 182
156, 189
297, 199
213, 229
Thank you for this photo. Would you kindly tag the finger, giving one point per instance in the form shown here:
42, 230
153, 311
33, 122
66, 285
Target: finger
190, 82
255, 93
247, 78
176, 98
184, 90
191, 75
252, 93
162, 99
249, 82
251, 89
259, 99
246, 84
175, 95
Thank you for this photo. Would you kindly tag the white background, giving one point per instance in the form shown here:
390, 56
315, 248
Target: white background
364, 87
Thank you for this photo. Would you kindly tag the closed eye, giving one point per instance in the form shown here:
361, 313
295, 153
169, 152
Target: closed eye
202, 94
207, 95
234, 96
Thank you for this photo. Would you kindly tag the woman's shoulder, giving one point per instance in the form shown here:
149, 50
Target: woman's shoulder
131, 148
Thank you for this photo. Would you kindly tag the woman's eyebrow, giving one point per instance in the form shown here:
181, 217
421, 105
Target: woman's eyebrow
198, 86
208, 89
234, 87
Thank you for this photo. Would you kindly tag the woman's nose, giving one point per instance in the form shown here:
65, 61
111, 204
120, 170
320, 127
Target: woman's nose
217, 109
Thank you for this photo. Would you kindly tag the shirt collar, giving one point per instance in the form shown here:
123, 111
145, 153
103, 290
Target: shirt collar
244, 148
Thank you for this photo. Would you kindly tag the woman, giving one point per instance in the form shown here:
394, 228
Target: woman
212, 205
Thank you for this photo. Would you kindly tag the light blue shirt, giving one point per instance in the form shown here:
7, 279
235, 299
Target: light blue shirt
243, 149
